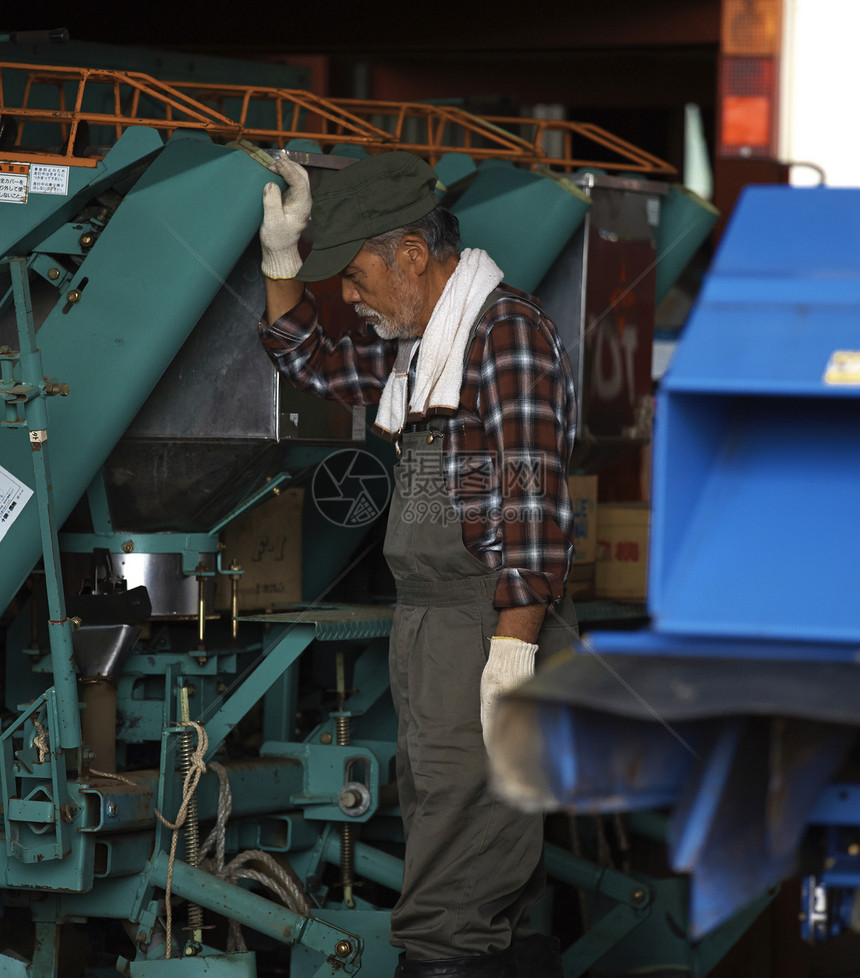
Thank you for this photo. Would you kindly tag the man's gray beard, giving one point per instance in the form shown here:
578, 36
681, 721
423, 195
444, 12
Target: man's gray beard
387, 328
407, 325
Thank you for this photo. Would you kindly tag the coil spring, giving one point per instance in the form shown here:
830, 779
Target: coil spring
347, 855
343, 733
343, 736
192, 829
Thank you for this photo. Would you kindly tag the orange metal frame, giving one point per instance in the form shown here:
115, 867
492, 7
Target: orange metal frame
425, 129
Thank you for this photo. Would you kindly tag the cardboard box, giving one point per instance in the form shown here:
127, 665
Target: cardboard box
267, 543
583, 495
621, 568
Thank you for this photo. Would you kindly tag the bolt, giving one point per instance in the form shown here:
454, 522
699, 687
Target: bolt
853, 849
73, 296
53, 274
201, 660
111, 809
343, 948
76, 622
128, 547
637, 895
87, 239
325, 738
220, 687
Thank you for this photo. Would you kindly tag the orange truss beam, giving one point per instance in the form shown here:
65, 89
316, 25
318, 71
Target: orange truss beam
274, 116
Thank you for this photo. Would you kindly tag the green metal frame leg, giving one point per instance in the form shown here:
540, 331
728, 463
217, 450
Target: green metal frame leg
258, 913
46, 954
35, 409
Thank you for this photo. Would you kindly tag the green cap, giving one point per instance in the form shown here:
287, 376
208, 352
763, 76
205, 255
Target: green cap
375, 195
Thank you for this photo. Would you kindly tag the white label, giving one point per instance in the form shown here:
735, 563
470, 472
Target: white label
843, 367
13, 188
45, 179
652, 211
13, 497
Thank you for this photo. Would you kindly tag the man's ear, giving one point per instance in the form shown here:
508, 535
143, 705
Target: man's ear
415, 253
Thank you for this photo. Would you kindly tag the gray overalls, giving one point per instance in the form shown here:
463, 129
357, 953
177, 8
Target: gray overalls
474, 866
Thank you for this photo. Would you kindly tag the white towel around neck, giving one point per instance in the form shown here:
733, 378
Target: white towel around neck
442, 348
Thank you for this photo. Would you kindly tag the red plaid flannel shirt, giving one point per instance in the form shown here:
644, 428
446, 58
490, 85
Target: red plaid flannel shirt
507, 448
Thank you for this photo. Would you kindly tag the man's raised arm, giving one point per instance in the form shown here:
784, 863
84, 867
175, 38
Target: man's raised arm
284, 218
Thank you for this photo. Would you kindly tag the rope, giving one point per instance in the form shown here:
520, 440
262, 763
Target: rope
279, 882
40, 742
217, 836
278, 879
189, 786
113, 776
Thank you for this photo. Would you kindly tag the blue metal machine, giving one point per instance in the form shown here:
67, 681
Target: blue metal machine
737, 711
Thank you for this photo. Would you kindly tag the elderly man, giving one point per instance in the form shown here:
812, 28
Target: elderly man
475, 388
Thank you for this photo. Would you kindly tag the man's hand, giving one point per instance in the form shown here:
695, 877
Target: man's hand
510, 663
284, 218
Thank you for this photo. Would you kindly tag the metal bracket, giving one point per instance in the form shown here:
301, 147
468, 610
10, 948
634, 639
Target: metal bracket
36, 809
328, 769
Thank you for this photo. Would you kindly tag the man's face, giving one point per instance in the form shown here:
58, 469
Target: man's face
385, 297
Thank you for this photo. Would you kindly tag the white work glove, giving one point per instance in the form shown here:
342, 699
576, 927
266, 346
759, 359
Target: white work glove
510, 663
284, 218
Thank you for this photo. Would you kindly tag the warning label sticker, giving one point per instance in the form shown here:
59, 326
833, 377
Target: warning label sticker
45, 179
19, 180
843, 367
13, 497
14, 182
